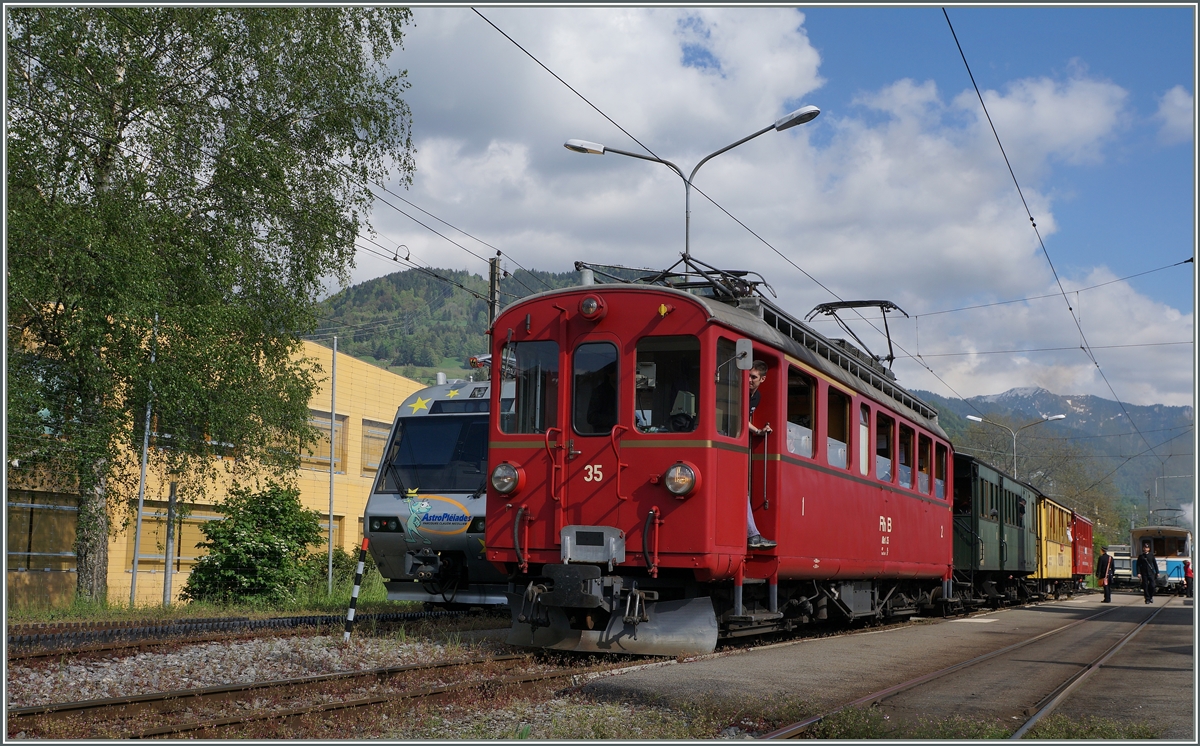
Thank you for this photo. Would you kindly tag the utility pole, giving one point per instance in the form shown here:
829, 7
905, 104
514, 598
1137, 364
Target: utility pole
493, 289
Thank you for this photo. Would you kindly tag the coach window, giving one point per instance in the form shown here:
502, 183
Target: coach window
728, 391
906, 456
594, 411
837, 429
665, 384
535, 368
939, 471
884, 428
864, 439
802, 391
924, 463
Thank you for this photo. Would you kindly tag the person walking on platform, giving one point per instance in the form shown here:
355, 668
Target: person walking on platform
1187, 577
1104, 573
1147, 570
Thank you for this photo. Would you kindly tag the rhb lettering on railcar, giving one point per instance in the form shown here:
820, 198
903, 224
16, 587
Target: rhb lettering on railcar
885, 524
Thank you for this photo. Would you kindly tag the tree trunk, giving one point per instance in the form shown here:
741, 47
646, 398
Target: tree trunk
91, 544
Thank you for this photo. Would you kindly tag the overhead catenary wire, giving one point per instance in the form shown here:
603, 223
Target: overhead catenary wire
1033, 223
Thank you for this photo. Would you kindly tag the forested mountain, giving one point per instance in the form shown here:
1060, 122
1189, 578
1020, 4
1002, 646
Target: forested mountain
416, 319
1094, 460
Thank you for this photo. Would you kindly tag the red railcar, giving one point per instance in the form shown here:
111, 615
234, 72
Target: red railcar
1081, 552
621, 464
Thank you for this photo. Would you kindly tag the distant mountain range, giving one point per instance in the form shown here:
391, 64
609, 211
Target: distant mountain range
1101, 426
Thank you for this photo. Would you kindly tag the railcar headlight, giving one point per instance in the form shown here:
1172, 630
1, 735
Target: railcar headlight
681, 479
593, 308
507, 478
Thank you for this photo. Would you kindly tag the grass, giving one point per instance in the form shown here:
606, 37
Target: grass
872, 723
310, 599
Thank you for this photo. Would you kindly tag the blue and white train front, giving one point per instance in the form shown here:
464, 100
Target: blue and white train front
425, 516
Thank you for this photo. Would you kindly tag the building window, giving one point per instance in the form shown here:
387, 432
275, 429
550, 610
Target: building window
316, 455
41, 531
374, 440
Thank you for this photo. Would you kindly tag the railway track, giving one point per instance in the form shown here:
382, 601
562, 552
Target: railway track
47, 641
1032, 715
279, 704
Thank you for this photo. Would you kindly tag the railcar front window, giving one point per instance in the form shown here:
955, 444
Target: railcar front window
436, 454
884, 428
595, 388
729, 412
838, 428
535, 370
666, 384
801, 398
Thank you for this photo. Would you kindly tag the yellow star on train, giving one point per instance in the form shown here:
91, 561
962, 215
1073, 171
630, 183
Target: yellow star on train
420, 404
452, 393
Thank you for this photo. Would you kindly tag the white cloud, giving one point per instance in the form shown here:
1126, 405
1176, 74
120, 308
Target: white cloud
904, 196
1175, 112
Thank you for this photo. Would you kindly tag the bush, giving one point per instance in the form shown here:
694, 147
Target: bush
257, 552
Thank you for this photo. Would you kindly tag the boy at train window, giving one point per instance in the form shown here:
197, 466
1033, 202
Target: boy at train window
757, 375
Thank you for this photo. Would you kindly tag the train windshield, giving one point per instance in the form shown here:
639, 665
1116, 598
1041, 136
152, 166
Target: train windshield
436, 454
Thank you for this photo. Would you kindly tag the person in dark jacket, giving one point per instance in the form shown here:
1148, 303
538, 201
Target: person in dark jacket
1147, 570
1104, 573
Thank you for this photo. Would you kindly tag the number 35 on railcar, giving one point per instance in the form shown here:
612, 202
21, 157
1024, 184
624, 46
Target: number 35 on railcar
617, 498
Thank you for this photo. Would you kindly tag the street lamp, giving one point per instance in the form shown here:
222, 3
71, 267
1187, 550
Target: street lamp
800, 116
1045, 418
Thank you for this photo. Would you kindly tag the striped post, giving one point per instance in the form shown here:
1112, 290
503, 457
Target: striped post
362, 561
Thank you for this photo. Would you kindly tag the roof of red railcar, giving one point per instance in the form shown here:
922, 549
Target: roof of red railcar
765, 322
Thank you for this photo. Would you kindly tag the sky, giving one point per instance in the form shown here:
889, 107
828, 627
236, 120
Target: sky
897, 191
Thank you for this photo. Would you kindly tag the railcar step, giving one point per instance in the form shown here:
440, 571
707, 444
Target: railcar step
757, 616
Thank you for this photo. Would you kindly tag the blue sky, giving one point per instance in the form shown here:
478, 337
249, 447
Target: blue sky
898, 190
1126, 209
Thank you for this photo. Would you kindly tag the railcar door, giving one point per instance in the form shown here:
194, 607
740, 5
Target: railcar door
593, 429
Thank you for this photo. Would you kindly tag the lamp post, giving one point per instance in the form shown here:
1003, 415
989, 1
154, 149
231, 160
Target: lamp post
800, 116
973, 418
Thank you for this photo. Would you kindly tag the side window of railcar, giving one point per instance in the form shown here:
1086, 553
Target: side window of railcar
924, 459
1021, 512
535, 368
667, 384
906, 456
939, 474
729, 413
801, 398
594, 409
884, 428
864, 439
838, 429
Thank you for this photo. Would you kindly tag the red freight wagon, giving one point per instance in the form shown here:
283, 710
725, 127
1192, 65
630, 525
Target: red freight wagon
621, 461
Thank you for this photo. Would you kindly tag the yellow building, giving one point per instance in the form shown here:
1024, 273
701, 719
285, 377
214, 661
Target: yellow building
41, 525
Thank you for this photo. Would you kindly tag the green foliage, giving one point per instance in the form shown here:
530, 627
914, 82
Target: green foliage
412, 318
181, 181
258, 551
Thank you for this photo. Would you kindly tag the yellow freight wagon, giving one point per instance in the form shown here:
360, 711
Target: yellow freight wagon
1053, 547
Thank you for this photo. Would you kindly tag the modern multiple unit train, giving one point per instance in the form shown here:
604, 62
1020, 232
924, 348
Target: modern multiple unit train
620, 471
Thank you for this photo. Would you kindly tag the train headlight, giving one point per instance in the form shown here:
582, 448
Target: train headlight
593, 308
507, 478
681, 479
